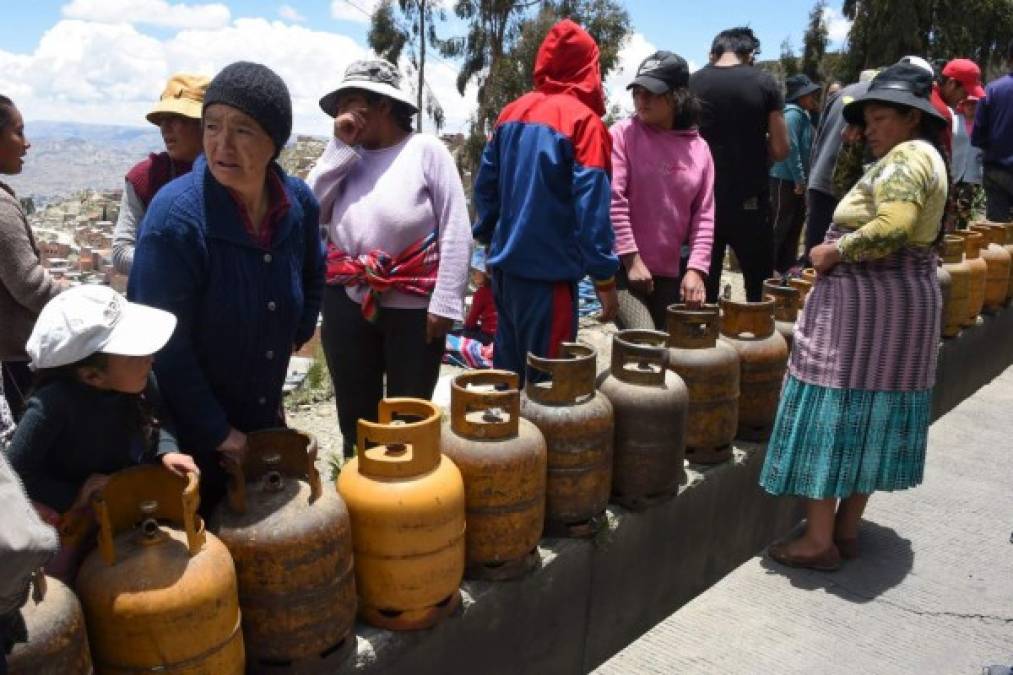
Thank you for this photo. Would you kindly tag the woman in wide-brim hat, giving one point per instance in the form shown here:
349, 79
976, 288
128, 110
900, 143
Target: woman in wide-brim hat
398, 245
177, 116
855, 409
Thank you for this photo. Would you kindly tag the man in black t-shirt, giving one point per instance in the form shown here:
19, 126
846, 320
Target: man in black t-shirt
744, 126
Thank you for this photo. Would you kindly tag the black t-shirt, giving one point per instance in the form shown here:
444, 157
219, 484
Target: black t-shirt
737, 103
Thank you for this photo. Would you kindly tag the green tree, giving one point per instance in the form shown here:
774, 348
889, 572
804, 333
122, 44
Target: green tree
397, 24
815, 42
789, 62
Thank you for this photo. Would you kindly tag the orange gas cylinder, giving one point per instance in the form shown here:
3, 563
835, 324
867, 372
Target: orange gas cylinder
997, 260
407, 505
973, 241
787, 302
763, 359
650, 404
292, 544
577, 422
803, 286
710, 369
955, 312
503, 460
57, 643
159, 593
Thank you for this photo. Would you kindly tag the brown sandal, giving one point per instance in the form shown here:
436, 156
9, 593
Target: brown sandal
848, 548
827, 561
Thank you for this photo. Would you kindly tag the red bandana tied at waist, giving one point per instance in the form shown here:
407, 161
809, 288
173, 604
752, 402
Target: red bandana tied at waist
413, 272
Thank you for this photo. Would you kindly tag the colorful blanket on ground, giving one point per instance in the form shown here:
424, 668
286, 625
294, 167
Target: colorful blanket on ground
412, 271
466, 352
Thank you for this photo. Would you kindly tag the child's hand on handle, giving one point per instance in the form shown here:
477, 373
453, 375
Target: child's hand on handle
179, 463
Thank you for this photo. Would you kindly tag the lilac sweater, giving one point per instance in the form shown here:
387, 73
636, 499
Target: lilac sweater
390, 198
662, 196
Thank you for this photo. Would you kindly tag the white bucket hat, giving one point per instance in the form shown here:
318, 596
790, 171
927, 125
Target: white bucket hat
378, 76
88, 319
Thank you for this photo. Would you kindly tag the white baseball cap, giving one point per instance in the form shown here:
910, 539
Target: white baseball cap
88, 319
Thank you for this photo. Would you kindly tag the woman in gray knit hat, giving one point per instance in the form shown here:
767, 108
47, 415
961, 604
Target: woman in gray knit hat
233, 250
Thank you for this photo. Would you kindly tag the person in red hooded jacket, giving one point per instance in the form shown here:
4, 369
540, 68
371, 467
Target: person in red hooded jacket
542, 195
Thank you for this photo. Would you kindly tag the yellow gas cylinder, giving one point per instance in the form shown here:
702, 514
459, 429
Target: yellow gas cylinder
292, 544
578, 424
997, 260
407, 505
973, 241
650, 403
763, 359
787, 301
503, 460
956, 312
159, 593
57, 643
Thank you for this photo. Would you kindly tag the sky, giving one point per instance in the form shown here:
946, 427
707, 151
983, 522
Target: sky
106, 61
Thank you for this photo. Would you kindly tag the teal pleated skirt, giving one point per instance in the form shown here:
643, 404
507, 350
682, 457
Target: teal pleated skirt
840, 442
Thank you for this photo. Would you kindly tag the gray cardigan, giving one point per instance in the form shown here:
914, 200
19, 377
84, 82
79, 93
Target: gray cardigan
25, 285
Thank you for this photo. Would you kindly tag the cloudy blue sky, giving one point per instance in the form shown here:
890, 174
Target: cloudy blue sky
107, 60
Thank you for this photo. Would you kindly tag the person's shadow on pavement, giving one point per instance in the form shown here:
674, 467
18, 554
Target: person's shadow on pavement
886, 559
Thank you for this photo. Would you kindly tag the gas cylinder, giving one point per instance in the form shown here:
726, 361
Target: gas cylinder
979, 272
803, 286
710, 369
578, 424
650, 403
787, 302
292, 545
57, 643
502, 458
997, 260
956, 311
159, 593
763, 359
407, 505
1008, 245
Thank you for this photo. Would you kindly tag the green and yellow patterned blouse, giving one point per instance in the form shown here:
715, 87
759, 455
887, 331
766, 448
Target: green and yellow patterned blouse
898, 202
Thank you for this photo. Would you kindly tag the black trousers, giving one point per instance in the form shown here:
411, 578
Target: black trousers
819, 214
787, 213
17, 383
745, 227
360, 354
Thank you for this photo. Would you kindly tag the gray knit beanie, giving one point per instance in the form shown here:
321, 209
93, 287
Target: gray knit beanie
260, 93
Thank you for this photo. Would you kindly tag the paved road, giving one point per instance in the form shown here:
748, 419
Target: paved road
932, 593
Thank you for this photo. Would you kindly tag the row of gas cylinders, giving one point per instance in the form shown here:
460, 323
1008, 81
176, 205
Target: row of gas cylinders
270, 585
975, 274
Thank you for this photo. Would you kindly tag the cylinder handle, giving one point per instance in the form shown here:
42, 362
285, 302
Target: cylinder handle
571, 375
640, 357
395, 448
285, 453
490, 412
692, 328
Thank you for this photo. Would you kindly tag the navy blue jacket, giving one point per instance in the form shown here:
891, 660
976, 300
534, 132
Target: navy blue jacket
240, 308
993, 123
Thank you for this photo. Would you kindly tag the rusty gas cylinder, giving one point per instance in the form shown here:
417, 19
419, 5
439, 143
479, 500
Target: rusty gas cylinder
710, 369
578, 425
802, 286
956, 310
159, 593
997, 260
57, 642
1008, 245
763, 360
787, 302
407, 505
292, 545
973, 241
502, 458
650, 403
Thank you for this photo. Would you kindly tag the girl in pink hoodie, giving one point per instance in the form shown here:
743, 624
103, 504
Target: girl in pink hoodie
662, 195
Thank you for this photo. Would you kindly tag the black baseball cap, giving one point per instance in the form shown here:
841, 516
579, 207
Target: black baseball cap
661, 72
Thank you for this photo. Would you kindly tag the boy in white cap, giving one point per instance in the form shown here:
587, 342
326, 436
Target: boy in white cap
95, 407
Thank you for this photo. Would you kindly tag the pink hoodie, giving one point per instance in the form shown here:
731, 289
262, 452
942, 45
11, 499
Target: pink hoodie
662, 196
